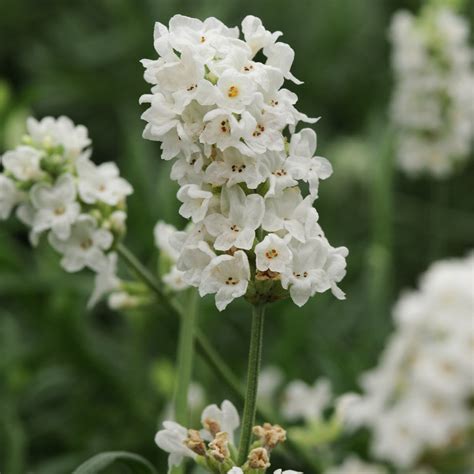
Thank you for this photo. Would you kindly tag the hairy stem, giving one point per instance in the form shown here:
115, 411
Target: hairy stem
254, 362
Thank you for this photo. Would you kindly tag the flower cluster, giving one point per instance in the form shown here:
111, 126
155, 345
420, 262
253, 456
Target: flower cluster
226, 119
55, 189
433, 102
418, 398
213, 447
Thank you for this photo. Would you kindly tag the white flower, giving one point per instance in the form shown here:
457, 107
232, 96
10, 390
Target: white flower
301, 162
175, 279
227, 276
273, 254
222, 129
188, 171
84, 247
234, 168
335, 268
163, 234
280, 174
260, 130
106, 280
226, 417
101, 183
24, 163
238, 229
292, 213
281, 56
119, 300
236, 91
305, 401
9, 196
193, 259
269, 380
25, 212
306, 275
256, 36
171, 439
184, 80
164, 125
61, 131
56, 206
195, 201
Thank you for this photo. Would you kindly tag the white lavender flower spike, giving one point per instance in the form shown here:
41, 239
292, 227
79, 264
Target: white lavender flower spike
229, 123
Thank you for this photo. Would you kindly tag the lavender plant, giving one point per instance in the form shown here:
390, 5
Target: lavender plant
226, 119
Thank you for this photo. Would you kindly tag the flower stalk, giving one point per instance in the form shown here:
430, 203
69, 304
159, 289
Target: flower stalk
185, 359
254, 362
205, 347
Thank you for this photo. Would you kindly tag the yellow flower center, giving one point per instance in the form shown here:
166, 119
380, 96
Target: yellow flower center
232, 92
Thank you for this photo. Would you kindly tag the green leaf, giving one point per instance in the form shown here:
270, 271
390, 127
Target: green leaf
137, 464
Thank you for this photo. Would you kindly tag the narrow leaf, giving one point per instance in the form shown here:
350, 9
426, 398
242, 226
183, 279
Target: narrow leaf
96, 464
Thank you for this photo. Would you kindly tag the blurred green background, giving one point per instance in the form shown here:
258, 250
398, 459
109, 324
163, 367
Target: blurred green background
74, 383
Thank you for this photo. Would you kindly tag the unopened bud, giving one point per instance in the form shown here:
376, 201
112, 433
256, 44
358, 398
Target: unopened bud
270, 435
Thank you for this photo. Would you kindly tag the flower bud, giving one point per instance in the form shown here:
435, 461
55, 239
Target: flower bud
270, 435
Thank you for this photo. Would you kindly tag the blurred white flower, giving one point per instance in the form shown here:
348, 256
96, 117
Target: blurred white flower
433, 100
418, 398
51, 132
269, 381
163, 234
119, 300
56, 206
303, 401
9, 196
101, 183
85, 247
58, 189
106, 280
24, 163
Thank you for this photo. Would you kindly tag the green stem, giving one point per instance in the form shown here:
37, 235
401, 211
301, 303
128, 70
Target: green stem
255, 358
206, 350
185, 360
